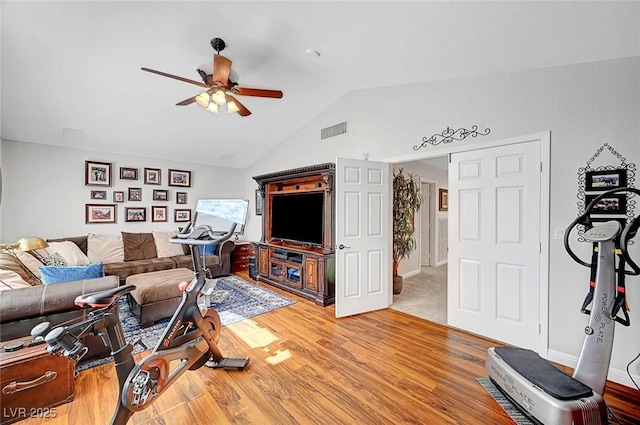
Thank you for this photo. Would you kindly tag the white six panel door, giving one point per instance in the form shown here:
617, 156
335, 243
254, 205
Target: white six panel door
363, 254
494, 243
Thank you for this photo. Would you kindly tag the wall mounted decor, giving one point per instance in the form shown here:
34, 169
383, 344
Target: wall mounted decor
128, 173
118, 196
99, 194
443, 200
158, 213
181, 197
258, 202
160, 195
97, 173
601, 174
151, 175
135, 194
449, 135
181, 215
103, 213
180, 178
135, 214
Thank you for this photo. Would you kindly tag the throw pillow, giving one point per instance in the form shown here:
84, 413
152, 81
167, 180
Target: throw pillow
55, 274
32, 263
68, 250
164, 248
108, 249
9, 262
11, 280
208, 249
54, 259
138, 246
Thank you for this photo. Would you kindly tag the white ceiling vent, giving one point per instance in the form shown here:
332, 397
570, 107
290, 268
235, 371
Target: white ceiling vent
333, 131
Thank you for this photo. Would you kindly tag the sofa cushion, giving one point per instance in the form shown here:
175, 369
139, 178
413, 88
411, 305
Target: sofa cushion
108, 249
138, 246
72, 254
80, 241
54, 259
31, 262
127, 268
11, 280
10, 262
164, 248
56, 274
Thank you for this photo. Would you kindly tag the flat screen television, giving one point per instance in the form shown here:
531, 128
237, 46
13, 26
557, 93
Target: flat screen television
220, 213
298, 217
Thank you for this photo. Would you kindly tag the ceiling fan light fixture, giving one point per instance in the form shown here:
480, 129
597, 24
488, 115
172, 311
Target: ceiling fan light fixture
232, 107
203, 99
213, 108
219, 97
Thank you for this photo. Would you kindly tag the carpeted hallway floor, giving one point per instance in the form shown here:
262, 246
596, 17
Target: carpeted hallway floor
425, 295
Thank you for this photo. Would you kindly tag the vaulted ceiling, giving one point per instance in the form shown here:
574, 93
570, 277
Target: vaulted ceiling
71, 70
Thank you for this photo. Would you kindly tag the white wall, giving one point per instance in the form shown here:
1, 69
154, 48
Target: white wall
45, 194
583, 106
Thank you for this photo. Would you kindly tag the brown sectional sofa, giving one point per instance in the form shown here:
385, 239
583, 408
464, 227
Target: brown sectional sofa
21, 309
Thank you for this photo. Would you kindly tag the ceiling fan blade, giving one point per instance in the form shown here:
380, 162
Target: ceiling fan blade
187, 101
242, 110
175, 77
221, 69
245, 91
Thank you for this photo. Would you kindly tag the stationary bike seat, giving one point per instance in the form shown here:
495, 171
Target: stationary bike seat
103, 298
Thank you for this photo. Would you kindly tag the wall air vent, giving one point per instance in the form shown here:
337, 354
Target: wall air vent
333, 131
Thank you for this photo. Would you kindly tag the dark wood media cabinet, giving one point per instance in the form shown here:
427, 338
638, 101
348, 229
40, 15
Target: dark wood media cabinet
303, 268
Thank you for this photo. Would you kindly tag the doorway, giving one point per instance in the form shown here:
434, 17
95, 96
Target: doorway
424, 292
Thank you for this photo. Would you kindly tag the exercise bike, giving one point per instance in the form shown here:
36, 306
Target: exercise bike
544, 393
190, 338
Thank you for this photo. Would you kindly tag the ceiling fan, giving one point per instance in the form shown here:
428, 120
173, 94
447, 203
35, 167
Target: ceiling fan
219, 88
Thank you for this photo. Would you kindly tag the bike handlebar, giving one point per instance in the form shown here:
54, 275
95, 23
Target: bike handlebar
194, 236
628, 233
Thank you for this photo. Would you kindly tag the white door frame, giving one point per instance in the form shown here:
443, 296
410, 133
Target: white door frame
433, 189
545, 159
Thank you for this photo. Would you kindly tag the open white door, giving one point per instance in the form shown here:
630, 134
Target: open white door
494, 243
363, 236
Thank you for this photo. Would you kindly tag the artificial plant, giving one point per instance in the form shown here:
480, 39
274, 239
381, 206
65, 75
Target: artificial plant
407, 199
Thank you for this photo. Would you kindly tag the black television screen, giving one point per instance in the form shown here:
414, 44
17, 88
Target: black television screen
298, 217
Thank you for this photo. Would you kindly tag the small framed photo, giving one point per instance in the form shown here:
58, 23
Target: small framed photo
613, 204
180, 178
151, 175
181, 215
258, 202
135, 194
135, 214
443, 200
128, 173
99, 194
97, 173
160, 195
158, 213
103, 213
181, 197
605, 179
118, 196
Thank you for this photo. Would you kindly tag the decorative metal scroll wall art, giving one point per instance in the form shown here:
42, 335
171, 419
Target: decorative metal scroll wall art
449, 135
593, 180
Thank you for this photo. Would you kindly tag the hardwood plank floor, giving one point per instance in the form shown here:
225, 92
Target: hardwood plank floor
307, 367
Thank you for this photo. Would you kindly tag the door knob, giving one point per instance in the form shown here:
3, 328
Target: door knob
343, 246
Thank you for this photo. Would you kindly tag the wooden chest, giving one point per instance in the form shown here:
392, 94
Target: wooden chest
33, 382
240, 256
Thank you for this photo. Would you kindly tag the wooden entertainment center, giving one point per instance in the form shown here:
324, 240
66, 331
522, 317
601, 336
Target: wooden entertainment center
299, 256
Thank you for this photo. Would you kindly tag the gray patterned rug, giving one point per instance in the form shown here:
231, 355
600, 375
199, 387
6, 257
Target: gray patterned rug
244, 300
518, 417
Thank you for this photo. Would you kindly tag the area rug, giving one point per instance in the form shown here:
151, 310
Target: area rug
244, 300
518, 417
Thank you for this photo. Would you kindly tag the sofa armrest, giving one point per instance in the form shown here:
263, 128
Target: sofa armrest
42, 300
223, 251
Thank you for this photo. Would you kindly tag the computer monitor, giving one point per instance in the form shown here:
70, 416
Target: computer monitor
220, 213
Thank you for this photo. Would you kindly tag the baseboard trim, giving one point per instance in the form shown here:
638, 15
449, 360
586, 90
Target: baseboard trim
615, 375
409, 274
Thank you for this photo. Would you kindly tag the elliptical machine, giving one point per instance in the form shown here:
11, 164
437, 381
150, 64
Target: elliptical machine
544, 393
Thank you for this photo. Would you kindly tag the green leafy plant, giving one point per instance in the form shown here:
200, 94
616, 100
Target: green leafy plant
407, 199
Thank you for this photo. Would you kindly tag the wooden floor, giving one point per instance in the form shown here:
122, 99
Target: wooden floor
307, 367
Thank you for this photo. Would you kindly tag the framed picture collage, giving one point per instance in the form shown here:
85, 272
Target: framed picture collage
141, 203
